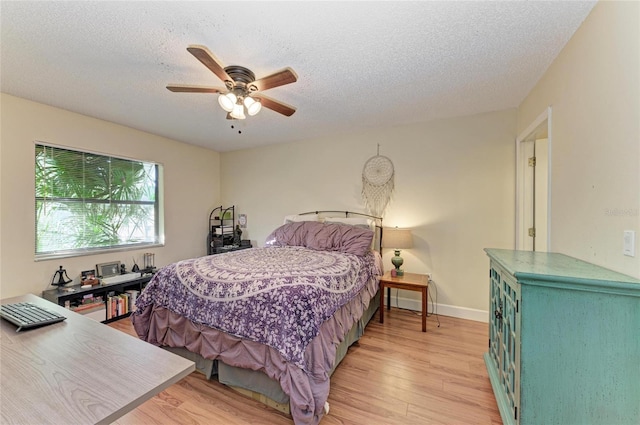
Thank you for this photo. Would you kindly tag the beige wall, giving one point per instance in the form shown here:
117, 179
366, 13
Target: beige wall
454, 178
454, 187
593, 87
191, 189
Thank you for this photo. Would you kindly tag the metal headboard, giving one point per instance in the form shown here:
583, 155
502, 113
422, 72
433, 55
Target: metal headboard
377, 221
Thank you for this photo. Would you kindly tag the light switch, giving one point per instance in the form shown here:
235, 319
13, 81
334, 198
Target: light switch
629, 243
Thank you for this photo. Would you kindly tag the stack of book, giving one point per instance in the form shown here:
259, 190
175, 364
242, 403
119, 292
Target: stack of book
88, 304
133, 296
119, 304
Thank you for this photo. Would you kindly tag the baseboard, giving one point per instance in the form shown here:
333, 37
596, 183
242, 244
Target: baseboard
442, 309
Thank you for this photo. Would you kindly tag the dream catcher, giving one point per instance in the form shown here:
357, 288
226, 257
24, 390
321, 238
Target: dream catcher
377, 183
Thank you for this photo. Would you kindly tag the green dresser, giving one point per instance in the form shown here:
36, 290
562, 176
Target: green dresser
564, 340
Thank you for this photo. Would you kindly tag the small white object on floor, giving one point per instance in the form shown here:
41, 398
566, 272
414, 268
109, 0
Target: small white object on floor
326, 407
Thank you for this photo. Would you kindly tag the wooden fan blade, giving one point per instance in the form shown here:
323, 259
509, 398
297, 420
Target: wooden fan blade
275, 105
206, 57
186, 88
280, 78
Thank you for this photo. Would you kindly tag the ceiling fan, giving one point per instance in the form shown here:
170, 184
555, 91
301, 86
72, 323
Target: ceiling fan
242, 91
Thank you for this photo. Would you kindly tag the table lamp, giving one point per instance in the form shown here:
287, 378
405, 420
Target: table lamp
397, 239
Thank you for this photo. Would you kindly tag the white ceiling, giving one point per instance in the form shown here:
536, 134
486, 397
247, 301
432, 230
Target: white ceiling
360, 65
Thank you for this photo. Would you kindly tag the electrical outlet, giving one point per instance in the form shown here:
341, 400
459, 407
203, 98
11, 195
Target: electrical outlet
429, 276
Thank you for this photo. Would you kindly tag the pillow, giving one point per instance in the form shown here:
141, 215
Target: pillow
341, 237
363, 222
353, 221
290, 234
294, 218
323, 237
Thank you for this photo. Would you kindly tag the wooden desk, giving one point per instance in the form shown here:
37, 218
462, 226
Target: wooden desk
78, 371
410, 282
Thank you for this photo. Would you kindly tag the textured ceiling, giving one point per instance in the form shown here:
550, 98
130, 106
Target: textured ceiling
359, 64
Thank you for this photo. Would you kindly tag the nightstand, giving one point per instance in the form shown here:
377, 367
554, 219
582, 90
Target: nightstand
409, 282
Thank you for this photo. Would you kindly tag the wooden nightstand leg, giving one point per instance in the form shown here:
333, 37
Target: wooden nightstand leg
389, 299
382, 303
424, 309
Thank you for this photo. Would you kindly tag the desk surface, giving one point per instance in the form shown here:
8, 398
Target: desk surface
78, 371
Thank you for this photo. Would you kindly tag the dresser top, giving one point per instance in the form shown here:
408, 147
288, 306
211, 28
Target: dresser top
554, 266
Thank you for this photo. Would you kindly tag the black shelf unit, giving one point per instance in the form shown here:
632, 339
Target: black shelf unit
70, 296
222, 228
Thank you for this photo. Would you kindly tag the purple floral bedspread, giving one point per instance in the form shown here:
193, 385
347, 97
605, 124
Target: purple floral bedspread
277, 296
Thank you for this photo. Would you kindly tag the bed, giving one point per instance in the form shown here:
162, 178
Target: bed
272, 321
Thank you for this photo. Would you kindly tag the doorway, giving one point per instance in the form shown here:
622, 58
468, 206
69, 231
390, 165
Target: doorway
533, 179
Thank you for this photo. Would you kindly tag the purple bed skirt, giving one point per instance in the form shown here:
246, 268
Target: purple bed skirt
307, 390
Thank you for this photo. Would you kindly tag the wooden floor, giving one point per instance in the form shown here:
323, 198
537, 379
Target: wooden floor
395, 374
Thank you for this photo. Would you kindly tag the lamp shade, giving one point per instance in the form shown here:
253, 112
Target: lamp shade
227, 101
238, 112
253, 106
395, 238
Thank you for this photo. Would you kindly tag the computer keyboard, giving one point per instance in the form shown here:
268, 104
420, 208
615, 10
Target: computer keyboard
28, 315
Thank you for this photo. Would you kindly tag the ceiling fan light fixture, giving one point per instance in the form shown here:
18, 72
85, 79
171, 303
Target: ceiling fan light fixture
253, 106
240, 83
227, 101
238, 112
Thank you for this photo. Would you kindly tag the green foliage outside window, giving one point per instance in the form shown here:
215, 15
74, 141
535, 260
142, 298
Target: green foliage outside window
86, 201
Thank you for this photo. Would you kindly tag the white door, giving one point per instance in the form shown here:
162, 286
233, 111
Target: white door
528, 196
541, 195
532, 209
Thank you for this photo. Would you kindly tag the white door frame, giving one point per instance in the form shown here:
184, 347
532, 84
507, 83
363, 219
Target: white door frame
523, 137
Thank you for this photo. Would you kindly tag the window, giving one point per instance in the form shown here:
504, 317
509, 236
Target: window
87, 202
